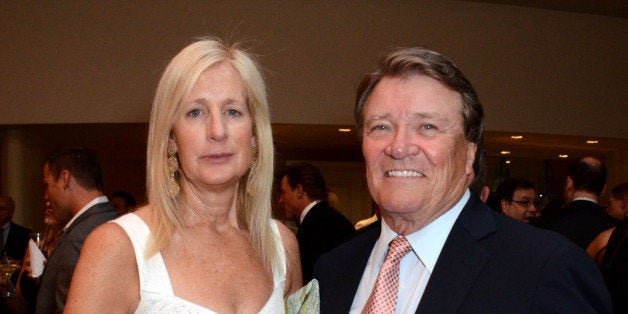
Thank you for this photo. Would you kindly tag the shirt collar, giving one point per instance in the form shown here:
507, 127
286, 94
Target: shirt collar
6, 226
98, 200
582, 198
428, 242
307, 210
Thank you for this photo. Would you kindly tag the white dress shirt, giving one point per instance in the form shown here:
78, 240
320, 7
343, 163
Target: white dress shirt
307, 210
98, 200
416, 267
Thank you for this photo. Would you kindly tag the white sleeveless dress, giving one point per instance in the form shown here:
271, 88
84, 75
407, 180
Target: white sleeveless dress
156, 293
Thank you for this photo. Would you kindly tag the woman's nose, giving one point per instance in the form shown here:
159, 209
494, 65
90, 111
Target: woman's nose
217, 129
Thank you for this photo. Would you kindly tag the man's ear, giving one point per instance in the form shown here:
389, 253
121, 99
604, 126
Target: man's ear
503, 203
471, 150
624, 203
569, 182
299, 190
64, 176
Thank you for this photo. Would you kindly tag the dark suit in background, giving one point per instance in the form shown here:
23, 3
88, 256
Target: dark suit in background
521, 268
322, 229
57, 275
580, 221
17, 241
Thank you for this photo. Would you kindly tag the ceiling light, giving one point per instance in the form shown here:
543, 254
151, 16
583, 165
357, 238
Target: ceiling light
344, 130
507, 161
592, 141
516, 137
563, 156
505, 152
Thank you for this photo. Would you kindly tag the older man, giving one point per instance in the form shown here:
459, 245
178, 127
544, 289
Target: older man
421, 125
13, 237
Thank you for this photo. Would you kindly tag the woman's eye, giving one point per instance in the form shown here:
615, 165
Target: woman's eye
428, 127
194, 113
233, 112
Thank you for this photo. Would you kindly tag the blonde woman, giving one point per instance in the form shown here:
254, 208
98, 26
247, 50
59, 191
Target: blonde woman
206, 242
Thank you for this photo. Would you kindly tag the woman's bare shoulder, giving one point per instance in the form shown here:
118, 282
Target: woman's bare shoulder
287, 235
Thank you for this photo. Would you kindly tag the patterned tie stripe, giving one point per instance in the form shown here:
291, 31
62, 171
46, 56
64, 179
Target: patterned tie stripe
383, 299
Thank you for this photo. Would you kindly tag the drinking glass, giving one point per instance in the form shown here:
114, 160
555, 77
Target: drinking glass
8, 266
38, 238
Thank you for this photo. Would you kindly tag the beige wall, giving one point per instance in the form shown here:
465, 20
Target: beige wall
536, 70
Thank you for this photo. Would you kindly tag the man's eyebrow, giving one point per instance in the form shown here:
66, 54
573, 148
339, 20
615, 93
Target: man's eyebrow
378, 117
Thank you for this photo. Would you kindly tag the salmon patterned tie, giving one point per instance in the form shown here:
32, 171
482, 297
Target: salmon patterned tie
383, 299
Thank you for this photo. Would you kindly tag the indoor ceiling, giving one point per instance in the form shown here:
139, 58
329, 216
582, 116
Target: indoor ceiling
618, 8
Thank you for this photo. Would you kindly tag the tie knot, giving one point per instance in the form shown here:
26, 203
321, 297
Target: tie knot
399, 247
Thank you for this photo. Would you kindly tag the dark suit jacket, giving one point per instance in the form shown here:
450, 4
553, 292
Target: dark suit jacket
580, 221
489, 264
57, 275
322, 229
17, 241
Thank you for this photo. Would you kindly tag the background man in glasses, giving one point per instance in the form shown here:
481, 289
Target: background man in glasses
517, 199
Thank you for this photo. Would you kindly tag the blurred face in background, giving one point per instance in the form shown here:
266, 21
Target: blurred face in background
522, 207
49, 217
289, 200
6, 211
121, 206
618, 208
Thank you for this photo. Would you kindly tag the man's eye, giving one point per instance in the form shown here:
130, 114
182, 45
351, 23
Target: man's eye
379, 127
428, 127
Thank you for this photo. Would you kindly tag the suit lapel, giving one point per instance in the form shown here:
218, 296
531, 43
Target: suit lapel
460, 261
346, 285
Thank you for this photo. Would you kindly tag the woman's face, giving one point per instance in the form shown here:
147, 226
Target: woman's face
49, 215
213, 135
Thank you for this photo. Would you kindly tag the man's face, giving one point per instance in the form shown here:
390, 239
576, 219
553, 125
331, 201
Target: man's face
618, 208
6, 212
120, 205
522, 207
418, 163
58, 194
289, 200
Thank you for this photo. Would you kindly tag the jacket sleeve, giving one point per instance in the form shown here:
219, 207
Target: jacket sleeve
570, 282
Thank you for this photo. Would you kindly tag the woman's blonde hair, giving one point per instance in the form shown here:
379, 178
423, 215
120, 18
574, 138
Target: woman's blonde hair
254, 191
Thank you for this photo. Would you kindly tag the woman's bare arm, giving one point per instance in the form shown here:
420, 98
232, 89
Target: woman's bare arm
106, 279
294, 279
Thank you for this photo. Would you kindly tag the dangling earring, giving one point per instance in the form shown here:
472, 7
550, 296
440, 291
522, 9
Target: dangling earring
253, 157
173, 167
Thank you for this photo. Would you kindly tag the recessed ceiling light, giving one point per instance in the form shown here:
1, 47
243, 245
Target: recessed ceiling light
505, 152
344, 130
516, 137
563, 156
592, 141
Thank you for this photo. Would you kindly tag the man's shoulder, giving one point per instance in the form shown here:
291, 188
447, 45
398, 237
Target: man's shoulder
489, 226
322, 212
92, 218
20, 229
363, 239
